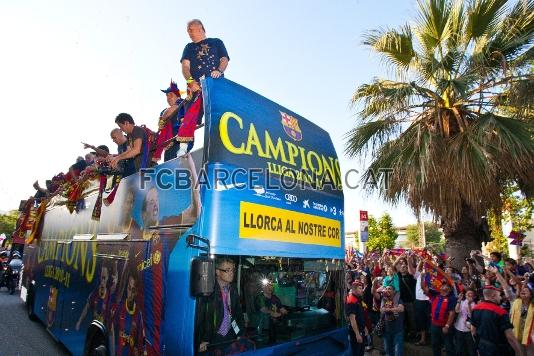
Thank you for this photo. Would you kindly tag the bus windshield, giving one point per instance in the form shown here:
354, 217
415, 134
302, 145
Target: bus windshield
284, 299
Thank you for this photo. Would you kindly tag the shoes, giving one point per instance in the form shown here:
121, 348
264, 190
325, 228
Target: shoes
182, 151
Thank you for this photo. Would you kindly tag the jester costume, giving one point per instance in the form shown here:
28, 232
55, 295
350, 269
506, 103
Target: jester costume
180, 121
193, 114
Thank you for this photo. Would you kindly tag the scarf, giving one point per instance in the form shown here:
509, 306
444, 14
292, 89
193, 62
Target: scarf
515, 318
97, 210
38, 223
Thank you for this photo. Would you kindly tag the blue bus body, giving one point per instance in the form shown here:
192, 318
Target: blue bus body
265, 190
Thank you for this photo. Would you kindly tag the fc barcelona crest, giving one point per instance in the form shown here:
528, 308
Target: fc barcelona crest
291, 126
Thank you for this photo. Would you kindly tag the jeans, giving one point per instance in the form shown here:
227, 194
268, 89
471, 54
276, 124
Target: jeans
438, 338
394, 343
465, 345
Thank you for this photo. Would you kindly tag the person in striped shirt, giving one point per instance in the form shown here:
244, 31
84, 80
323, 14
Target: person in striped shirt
442, 316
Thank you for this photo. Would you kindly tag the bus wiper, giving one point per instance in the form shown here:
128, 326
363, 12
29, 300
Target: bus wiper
171, 226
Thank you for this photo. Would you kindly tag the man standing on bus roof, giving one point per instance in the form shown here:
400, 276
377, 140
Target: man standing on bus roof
136, 137
221, 316
173, 121
204, 57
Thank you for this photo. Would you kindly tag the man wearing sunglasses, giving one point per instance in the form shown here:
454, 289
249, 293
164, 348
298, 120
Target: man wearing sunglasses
221, 312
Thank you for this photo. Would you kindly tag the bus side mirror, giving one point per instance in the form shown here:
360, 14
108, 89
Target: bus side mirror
202, 277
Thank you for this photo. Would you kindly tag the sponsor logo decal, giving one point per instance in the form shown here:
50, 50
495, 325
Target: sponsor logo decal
291, 126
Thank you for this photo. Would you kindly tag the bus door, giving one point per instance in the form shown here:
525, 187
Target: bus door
58, 279
79, 265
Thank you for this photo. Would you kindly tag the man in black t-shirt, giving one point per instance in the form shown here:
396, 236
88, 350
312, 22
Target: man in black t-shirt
136, 137
204, 57
407, 282
491, 326
356, 320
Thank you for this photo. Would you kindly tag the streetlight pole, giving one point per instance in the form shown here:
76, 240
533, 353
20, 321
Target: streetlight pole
423, 234
421, 230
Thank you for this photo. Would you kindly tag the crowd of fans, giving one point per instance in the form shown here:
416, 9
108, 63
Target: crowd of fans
482, 304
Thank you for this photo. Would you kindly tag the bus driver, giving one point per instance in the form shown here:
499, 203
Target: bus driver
222, 319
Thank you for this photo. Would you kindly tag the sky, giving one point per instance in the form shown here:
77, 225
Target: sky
67, 68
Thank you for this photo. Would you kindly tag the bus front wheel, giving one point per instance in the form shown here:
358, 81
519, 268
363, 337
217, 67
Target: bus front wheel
29, 305
97, 346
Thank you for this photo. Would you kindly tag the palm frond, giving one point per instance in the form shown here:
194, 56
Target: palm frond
514, 33
483, 17
519, 99
426, 67
396, 47
456, 25
383, 97
432, 26
507, 137
370, 135
524, 59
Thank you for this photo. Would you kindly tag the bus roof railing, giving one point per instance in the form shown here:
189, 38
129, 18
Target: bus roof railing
170, 226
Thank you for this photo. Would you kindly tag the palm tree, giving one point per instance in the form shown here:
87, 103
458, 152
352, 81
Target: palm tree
449, 124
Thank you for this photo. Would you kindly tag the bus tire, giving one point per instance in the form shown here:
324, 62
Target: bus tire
29, 305
96, 345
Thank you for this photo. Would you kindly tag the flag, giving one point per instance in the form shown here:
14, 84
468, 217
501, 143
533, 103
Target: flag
435, 276
38, 222
193, 113
397, 251
349, 253
517, 238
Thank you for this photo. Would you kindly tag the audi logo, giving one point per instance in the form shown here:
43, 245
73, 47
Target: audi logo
291, 197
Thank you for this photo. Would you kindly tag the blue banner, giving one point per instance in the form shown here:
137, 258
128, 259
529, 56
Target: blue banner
273, 183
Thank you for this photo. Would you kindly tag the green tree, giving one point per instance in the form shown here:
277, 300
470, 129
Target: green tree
498, 242
432, 234
441, 123
517, 209
8, 222
382, 233
413, 235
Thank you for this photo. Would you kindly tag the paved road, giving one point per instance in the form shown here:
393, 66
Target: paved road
19, 336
